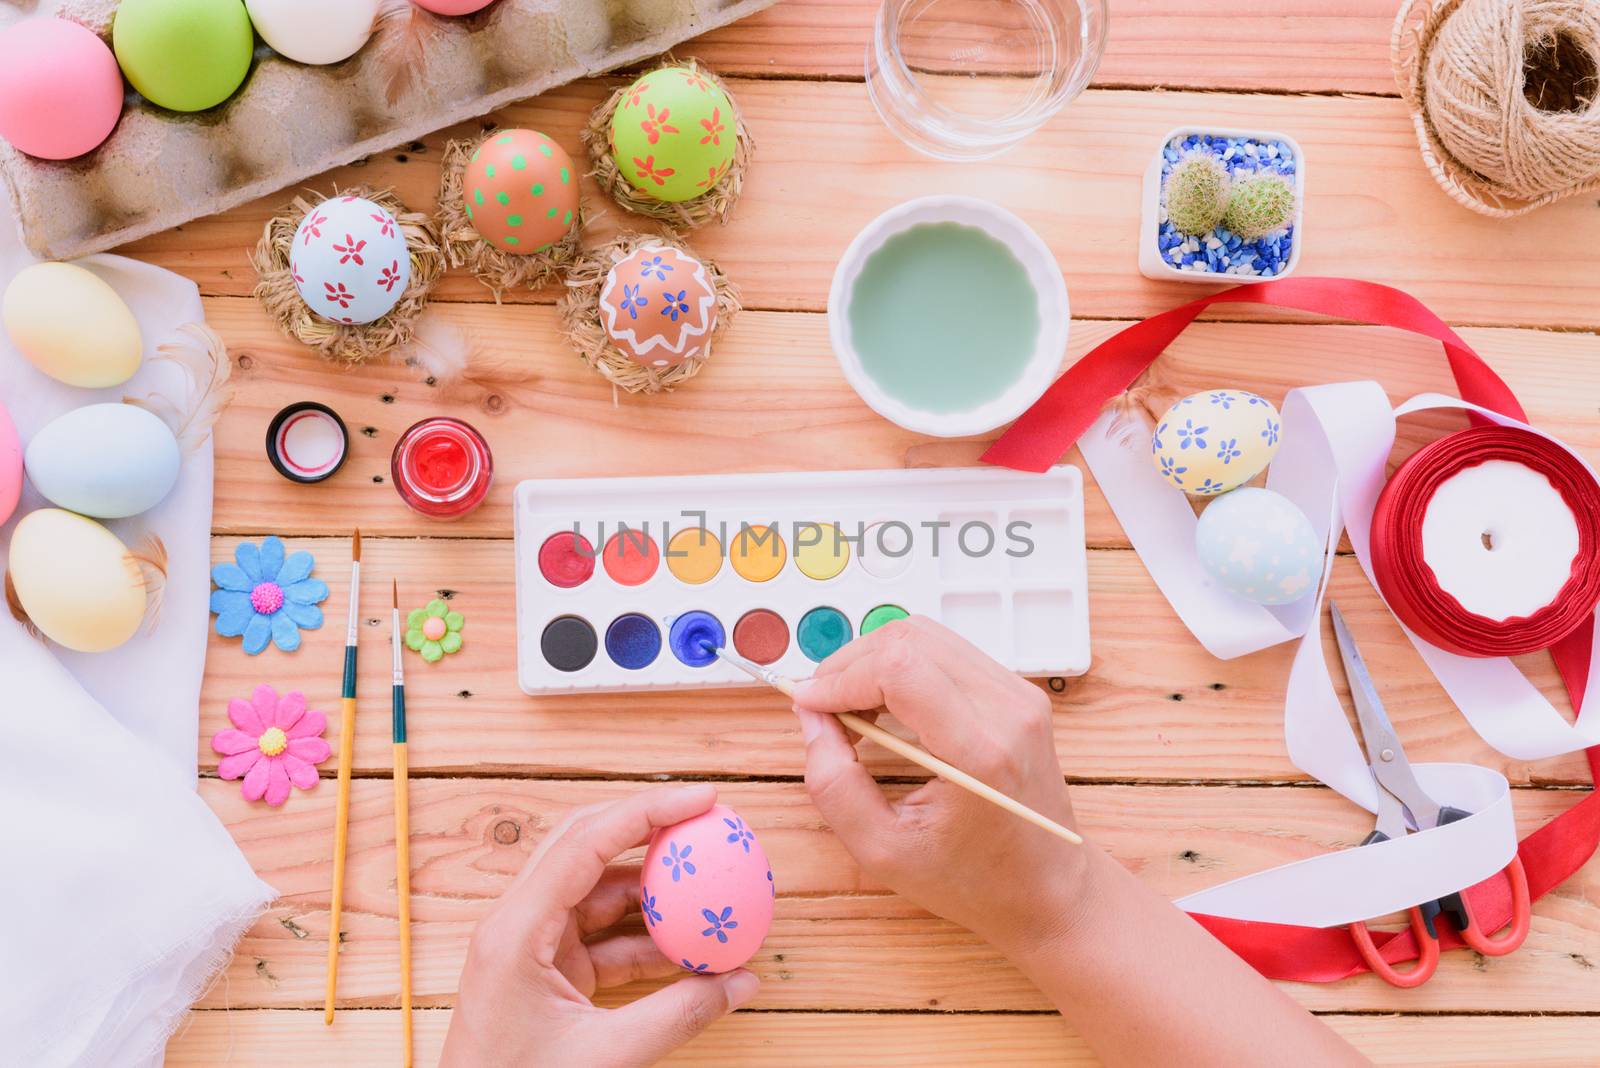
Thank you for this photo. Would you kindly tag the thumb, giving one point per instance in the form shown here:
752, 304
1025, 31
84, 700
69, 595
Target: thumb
655, 1025
841, 787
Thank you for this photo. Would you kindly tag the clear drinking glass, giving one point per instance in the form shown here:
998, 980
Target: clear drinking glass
968, 79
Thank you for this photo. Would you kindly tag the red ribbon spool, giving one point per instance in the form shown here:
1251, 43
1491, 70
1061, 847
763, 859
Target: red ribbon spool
1412, 589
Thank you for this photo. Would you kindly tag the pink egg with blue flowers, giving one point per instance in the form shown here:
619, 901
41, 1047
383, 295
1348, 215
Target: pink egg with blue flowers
707, 892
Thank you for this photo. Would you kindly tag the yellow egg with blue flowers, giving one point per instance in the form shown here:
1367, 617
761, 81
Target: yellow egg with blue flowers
1215, 440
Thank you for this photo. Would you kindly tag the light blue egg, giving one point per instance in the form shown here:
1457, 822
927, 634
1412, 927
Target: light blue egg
1258, 545
104, 460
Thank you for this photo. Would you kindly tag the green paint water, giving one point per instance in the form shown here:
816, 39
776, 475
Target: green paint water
944, 317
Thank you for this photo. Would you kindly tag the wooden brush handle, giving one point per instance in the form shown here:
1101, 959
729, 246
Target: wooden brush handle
341, 838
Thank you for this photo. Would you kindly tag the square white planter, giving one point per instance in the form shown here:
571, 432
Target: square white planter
1151, 262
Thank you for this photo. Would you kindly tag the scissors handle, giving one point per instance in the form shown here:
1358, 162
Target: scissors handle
1516, 931
1427, 954
1521, 906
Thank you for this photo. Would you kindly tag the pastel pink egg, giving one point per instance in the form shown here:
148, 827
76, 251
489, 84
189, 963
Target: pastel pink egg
453, 7
60, 88
659, 306
10, 466
707, 892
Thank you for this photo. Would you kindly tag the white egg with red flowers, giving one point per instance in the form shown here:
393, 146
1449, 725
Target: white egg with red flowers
349, 260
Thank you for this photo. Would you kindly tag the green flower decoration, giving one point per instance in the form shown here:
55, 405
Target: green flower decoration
434, 631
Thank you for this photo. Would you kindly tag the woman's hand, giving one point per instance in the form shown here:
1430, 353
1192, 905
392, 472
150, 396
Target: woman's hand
950, 852
540, 954
1137, 978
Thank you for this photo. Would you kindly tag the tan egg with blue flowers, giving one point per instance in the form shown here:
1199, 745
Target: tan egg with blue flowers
1216, 440
520, 191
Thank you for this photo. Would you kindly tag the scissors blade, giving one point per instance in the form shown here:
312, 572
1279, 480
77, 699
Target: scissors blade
1384, 752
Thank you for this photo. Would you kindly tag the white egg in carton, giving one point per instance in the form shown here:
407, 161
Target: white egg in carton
996, 555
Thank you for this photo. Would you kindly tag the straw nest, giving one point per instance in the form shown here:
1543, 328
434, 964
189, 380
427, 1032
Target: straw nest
714, 205
463, 247
339, 342
580, 314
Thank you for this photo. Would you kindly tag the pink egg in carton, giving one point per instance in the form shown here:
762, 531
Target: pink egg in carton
289, 122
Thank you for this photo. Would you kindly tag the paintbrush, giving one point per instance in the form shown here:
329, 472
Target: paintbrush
402, 825
347, 733
898, 745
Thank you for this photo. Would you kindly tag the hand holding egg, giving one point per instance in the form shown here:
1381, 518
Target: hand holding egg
539, 956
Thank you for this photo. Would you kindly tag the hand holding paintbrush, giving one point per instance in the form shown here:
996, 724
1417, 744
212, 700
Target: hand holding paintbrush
906, 750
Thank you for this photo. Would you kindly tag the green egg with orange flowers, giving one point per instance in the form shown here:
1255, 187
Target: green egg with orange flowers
672, 134
521, 191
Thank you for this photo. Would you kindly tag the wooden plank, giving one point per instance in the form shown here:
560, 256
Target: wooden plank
772, 399
268, 1039
1305, 46
836, 935
1374, 211
1154, 706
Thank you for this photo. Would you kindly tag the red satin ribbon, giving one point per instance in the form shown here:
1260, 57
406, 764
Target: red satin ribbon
1412, 589
1049, 428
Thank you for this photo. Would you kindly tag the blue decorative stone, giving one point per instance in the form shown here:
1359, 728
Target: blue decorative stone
1224, 252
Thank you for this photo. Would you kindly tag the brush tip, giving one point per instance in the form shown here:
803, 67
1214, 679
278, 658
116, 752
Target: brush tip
709, 647
395, 591
355, 547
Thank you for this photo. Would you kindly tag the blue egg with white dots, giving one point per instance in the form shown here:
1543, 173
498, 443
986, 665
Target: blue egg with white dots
1258, 545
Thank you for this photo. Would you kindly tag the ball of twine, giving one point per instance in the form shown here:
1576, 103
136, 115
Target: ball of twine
343, 342
1503, 95
714, 205
580, 315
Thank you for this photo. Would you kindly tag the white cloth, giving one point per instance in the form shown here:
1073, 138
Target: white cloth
123, 892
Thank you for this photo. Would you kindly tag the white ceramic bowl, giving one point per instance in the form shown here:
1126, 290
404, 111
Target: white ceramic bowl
1050, 345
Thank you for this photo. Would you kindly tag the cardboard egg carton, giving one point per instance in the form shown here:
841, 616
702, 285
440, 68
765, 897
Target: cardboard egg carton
289, 122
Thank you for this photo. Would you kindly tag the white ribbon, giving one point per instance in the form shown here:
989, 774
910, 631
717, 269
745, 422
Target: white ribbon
1333, 464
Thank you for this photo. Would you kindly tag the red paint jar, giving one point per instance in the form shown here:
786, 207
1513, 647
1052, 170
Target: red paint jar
442, 467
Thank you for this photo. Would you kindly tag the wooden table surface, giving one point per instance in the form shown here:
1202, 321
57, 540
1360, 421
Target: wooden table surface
1176, 759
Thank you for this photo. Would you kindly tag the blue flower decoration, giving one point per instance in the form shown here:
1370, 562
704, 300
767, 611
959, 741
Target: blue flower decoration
1155, 439
654, 267
1224, 400
1270, 432
698, 969
1208, 487
632, 301
771, 884
1170, 468
647, 904
678, 862
1189, 434
721, 923
1254, 400
266, 596
1228, 451
676, 304
740, 833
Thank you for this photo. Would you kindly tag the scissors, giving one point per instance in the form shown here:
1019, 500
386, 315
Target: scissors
1404, 806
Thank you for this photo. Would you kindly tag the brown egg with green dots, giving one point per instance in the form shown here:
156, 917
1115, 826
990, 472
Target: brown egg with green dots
521, 191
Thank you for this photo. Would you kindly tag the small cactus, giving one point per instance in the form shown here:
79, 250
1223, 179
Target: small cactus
1259, 205
1197, 193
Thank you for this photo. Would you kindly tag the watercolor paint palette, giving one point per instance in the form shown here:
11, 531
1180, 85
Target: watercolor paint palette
620, 579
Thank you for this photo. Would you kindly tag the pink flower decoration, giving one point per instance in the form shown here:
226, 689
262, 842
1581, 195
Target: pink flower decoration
274, 742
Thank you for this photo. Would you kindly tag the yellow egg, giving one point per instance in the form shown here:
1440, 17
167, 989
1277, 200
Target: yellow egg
72, 326
76, 580
1211, 442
